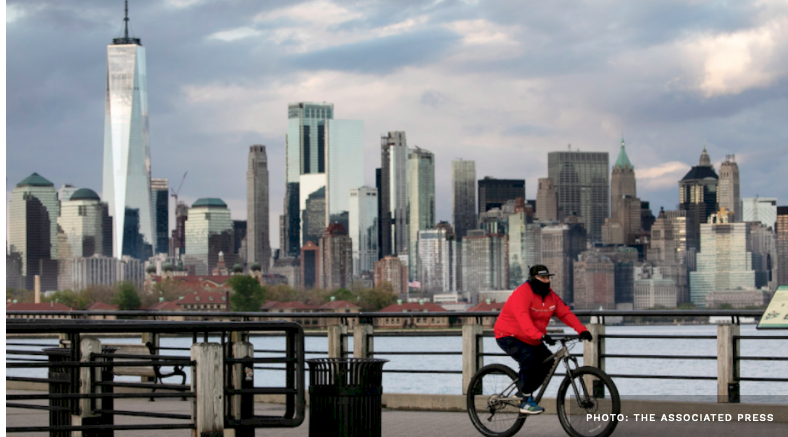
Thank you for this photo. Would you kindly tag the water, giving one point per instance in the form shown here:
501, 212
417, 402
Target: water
452, 384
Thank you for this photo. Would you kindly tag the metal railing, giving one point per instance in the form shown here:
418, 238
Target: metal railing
81, 375
597, 358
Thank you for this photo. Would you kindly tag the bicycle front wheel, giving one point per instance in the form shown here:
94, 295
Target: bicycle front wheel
493, 402
589, 391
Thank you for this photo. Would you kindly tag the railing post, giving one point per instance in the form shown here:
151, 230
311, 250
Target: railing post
337, 341
208, 387
594, 349
363, 345
87, 375
153, 339
242, 376
727, 365
472, 349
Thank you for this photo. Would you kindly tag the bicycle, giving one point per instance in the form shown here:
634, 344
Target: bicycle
493, 399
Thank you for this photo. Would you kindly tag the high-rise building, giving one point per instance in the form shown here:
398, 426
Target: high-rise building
463, 196
391, 270
363, 222
781, 229
178, 246
725, 262
485, 262
561, 243
668, 249
209, 231
493, 193
594, 282
310, 265
759, 209
239, 239
622, 182
623, 226
393, 193
258, 243
582, 187
646, 216
546, 201
328, 187
652, 289
127, 188
84, 228
698, 197
32, 225
66, 191
525, 247
102, 270
336, 258
304, 154
421, 202
438, 265
728, 195
161, 217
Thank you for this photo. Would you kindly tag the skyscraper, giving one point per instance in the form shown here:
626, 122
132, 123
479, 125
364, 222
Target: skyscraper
582, 187
438, 259
393, 193
32, 225
209, 231
781, 228
725, 262
546, 201
622, 182
336, 258
161, 201
304, 154
525, 247
729, 193
758, 209
421, 202
698, 197
493, 193
258, 243
363, 231
485, 262
594, 282
560, 246
463, 199
127, 165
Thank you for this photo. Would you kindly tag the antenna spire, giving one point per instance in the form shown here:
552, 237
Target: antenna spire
126, 19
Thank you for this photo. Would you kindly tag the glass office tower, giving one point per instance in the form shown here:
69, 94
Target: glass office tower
421, 202
126, 182
363, 230
345, 166
463, 200
161, 201
209, 231
304, 154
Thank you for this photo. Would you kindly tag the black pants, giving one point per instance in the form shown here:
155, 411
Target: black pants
532, 370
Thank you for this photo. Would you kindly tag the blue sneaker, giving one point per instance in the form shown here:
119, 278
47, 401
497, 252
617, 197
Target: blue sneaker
529, 406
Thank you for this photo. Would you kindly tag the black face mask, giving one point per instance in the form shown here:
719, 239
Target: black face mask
539, 287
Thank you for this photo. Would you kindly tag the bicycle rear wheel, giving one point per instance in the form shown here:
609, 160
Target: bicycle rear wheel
492, 401
598, 397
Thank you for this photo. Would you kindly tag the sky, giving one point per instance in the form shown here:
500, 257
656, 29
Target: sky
498, 82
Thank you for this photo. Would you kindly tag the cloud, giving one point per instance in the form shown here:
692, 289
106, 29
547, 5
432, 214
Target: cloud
738, 61
235, 34
662, 175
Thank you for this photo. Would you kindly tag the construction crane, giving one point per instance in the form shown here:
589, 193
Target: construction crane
175, 193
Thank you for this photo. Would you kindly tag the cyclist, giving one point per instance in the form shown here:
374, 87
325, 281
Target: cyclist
521, 331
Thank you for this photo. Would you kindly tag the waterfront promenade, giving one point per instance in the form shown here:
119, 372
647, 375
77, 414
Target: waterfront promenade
410, 423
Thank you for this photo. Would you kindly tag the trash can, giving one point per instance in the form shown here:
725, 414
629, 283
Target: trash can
345, 397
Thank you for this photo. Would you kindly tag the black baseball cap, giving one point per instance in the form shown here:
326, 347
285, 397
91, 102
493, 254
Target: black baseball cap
539, 270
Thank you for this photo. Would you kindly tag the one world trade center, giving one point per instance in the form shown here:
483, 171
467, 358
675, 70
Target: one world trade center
126, 148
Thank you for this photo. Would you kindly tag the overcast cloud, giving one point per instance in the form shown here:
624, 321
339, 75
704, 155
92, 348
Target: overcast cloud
498, 82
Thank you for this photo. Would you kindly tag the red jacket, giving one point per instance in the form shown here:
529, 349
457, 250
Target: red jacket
525, 315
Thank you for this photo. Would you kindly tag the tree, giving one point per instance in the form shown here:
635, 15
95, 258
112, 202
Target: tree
725, 306
68, 298
377, 298
249, 294
341, 294
281, 293
167, 290
127, 298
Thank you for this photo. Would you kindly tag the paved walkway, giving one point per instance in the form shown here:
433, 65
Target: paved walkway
405, 423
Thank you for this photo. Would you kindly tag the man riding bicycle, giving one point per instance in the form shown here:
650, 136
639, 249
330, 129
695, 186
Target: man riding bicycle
521, 331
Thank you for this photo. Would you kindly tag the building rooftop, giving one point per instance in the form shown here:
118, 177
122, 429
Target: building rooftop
623, 159
700, 172
35, 180
84, 194
51, 306
209, 201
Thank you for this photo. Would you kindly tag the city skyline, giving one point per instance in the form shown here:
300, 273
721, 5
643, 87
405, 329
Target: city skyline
444, 113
